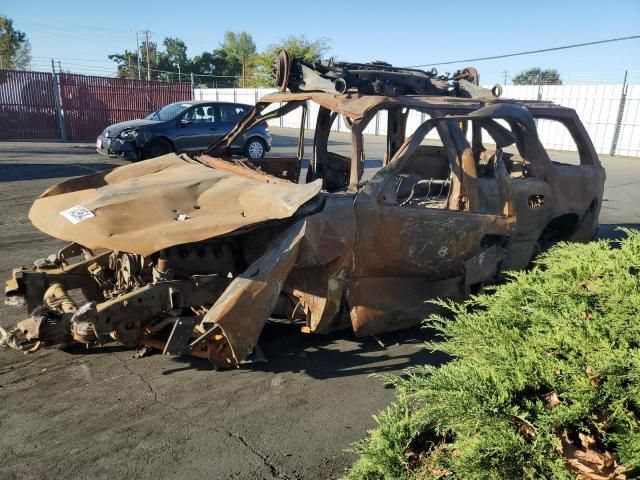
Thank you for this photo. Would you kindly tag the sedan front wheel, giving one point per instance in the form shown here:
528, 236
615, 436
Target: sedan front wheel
157, 148
255, 148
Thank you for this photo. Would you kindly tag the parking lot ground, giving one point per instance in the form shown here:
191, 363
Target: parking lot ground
100, 413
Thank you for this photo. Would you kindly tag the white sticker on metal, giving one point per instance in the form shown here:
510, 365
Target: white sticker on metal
77, 214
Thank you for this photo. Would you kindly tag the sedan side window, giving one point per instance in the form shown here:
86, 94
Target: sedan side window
201, 114
231, 113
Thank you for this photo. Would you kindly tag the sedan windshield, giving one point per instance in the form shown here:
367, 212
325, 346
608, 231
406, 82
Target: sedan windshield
168, 112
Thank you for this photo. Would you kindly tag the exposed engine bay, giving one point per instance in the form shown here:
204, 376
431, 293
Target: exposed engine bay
92, 297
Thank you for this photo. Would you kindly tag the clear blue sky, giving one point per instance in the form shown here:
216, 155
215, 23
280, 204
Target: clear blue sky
402, 33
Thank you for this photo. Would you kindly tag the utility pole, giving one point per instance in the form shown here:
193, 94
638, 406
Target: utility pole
505, 74
137, 51
57, 96
138, 54
146, 45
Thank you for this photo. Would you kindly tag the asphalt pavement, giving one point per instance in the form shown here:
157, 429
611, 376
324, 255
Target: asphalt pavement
101, 413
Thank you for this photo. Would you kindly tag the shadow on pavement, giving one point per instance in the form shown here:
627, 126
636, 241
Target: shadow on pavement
611, 231
15, 172
338, 354
64, 149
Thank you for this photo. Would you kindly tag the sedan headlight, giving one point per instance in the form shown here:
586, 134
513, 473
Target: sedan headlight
130, 134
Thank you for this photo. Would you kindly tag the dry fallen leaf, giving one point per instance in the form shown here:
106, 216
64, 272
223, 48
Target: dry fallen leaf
551, 400
589, 463
524, 428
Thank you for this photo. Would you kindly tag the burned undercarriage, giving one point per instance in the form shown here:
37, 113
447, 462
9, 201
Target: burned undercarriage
194, 255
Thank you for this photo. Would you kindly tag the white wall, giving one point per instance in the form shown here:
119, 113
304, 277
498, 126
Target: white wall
629, 139
597, 105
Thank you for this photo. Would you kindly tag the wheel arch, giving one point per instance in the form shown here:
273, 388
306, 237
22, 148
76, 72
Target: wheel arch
560, 228
255, 136
162, 137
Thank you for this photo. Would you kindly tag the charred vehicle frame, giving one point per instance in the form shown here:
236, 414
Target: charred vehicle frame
233, 242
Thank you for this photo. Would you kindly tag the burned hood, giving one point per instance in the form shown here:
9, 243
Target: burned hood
170, 200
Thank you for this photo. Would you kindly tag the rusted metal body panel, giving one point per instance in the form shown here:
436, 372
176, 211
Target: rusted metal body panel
184, 195
244, 307
220, 244
384, 304
319, 279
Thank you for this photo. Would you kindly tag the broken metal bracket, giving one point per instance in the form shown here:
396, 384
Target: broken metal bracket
180, 335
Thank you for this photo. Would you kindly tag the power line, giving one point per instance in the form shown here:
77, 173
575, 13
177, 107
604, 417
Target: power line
89, 67
216, 76
111, 69
57, 26
564, 47
75, 35
73, 66
80, 59
111, 31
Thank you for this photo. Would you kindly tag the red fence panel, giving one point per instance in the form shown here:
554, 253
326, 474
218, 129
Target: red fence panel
90, 104
27, 106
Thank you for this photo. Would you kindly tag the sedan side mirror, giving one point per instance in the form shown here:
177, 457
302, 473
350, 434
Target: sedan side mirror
184, 122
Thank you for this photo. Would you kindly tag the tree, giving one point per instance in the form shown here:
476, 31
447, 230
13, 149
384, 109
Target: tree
217, 63
298, 46
166, 64
537, 76
209, 63
241, 48
175, 51
235, 57
173, 57
128, 62
15, 48
22, 58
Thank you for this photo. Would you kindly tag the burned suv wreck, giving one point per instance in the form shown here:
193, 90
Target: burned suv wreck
194, 255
